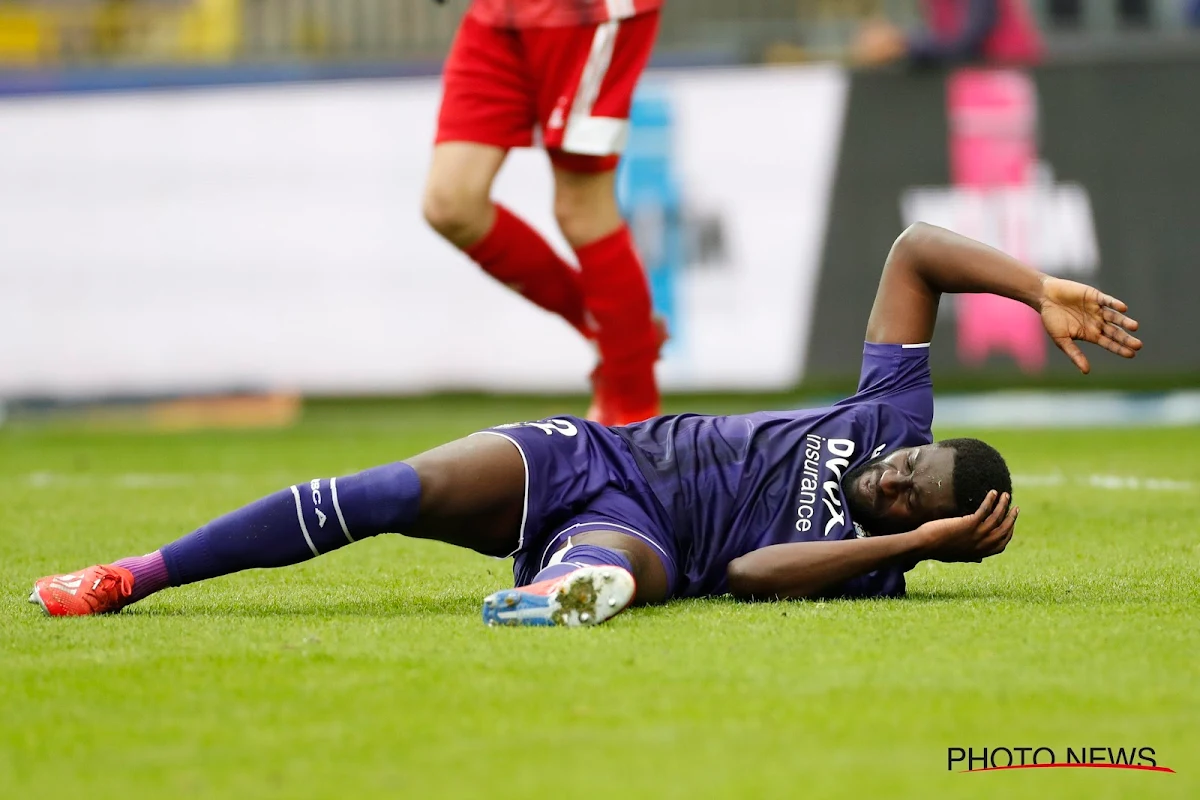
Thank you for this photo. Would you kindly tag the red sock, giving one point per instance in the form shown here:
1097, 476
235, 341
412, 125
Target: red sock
516, 255
617, 296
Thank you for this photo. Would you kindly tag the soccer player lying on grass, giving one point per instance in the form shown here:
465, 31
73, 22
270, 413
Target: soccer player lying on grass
836, 501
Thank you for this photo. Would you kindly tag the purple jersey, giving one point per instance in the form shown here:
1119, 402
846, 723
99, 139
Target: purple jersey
734, 484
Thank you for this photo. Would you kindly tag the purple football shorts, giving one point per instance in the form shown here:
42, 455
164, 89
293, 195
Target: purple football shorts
579, 477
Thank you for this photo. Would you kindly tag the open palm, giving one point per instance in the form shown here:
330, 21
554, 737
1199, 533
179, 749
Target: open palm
1074, 311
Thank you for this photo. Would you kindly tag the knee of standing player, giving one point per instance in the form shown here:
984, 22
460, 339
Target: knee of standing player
586, 213
454, 211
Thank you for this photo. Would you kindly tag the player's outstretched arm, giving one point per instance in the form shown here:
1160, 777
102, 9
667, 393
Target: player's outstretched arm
927, 261
816, 569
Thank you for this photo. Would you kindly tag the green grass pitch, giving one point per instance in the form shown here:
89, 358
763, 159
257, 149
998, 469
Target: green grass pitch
367, 673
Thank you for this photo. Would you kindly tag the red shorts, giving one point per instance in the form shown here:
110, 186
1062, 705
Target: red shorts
575, 84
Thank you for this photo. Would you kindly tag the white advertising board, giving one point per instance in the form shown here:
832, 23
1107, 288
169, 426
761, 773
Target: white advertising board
271, 238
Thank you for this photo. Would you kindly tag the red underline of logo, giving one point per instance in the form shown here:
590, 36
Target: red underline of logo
1074, 766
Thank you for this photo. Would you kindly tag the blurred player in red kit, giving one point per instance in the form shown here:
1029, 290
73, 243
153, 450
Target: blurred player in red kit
567, 69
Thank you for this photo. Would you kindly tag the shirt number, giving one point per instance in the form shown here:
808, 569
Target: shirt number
555, 426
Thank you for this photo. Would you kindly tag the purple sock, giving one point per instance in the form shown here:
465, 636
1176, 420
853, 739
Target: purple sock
297, 523
555, 571
149, 574
584, 555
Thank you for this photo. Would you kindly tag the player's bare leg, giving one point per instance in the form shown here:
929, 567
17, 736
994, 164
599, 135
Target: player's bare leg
585, 204
616, 293
458, 206
472, 494
457, 202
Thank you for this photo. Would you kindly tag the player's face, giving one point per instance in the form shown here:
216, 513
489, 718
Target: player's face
902, 490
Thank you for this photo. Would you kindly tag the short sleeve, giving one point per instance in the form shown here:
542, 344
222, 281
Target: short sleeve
897, 375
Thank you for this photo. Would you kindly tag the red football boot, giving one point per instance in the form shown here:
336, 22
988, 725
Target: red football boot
96, 590
627, 392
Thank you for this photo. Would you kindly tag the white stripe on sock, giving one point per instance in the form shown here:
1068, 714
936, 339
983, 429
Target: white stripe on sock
338, 509
303, 527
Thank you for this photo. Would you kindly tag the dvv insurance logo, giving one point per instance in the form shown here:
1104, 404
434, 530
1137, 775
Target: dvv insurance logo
993, 759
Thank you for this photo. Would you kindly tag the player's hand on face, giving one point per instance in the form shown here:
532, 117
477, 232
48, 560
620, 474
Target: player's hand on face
1073, 311
973, 537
